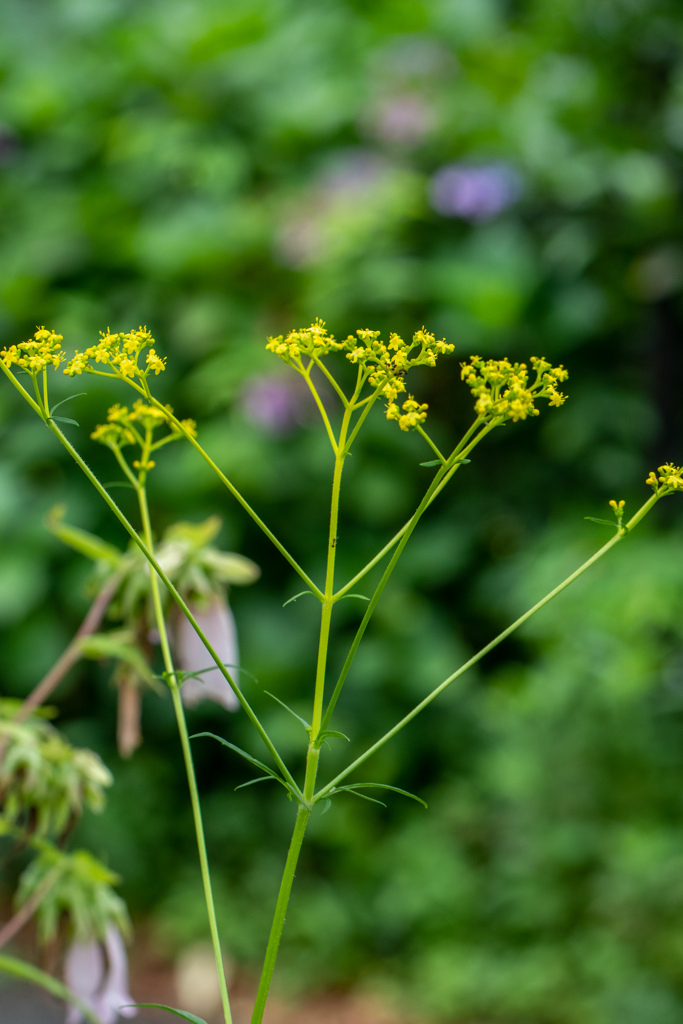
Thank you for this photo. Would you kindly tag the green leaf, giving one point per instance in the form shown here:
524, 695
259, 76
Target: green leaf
362, 796
252, 782
85, 543
326, 806
63, 419
297, 596
248, 757
65, 400
433, 462
303, 721
333, 732
462, 462
185, 1014
361, 596
119, 646
602, 522
377, 785
27, 972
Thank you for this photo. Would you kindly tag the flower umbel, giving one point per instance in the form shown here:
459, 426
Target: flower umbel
121, 353
502, 389
383, 364
670, 479
36, 354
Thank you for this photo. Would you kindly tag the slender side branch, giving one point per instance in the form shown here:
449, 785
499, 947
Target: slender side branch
440, 480
238, 497
177, 598
325, 791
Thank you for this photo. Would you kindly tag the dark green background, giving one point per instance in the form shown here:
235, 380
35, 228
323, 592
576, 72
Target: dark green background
223, 171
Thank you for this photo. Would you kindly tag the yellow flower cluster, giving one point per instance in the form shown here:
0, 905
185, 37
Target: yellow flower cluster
502, 389
35, 355
670, 479
121, 352
413, 413
386, 362
121, 426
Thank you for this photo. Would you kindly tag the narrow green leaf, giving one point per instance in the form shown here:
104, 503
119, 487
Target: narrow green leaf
432, 462
119, 646
27, 972
333, 732
64, 419
379, 785
362, 796
327, 803
462, 462
85, 543
69, 399
297, 596
361, 596
303, 721
252, 782
602, 522
248, 757
192, 1017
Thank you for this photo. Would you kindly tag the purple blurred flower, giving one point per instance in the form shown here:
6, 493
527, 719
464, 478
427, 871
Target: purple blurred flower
404, 119
216, 620
475, 192
278, 404
101, 983
346, 182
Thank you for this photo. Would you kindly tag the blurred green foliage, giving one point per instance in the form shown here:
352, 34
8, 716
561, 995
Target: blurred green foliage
226, 171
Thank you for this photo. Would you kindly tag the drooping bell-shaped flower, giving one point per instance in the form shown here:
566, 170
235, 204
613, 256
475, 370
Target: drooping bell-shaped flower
98, 973
214, 617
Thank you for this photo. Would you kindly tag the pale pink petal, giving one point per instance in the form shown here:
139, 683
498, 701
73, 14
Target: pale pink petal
115, 997
217, 622
83, 974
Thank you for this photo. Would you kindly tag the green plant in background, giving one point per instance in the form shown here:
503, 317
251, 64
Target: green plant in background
504, 392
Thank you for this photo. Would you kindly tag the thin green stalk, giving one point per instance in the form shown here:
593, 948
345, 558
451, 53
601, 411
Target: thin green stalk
302, 816
325, 791
330, 377
321, 408
238, 497
440, 480
434, 491
187, 756
178, 600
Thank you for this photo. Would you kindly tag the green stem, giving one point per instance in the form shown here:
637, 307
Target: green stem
187, 756
489, 647
300, 824
443, 475
236, 494
434, 490
306, 374
313, 754
178, 600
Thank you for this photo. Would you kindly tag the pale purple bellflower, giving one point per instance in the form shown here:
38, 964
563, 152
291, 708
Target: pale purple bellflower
215, 618
98, 973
